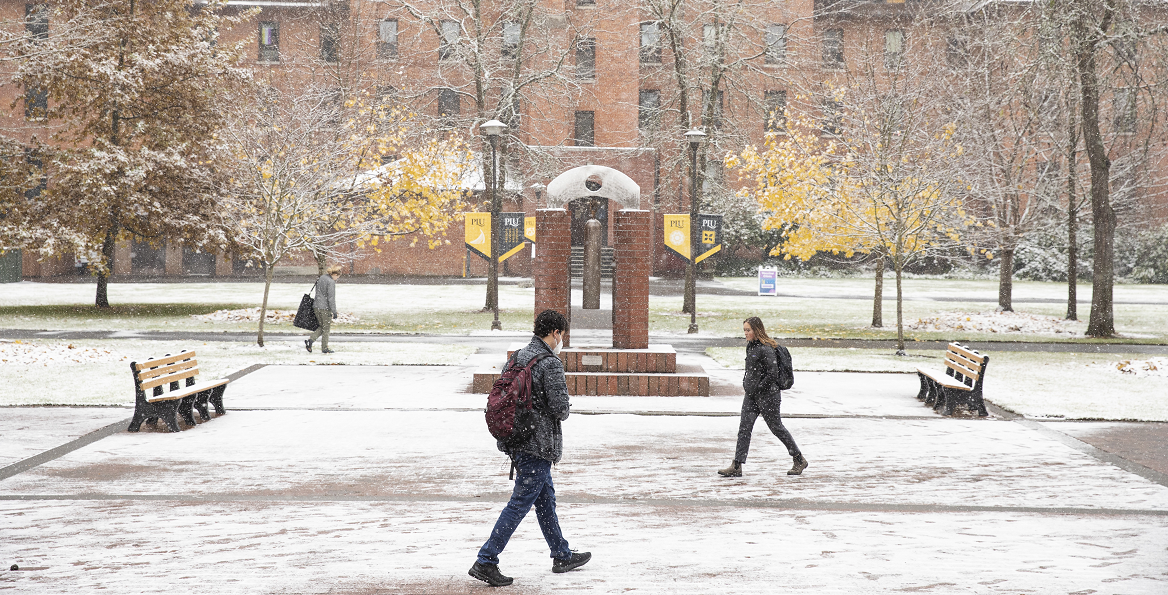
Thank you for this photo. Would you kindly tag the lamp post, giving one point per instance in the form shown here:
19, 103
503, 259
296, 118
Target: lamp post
695, 138
492, 129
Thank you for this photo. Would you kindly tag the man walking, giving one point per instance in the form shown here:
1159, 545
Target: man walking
325, 307
533, 459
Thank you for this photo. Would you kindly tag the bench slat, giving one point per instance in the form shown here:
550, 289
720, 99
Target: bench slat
187, 390
944, 380
968, 363
164, 380
968, 353
962, 370
154, 363
167, 369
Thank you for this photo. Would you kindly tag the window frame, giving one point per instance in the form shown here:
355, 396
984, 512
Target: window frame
588, 139
330, 43
894, 60
648, 117
507, 50
833, 48
447, 98
387, 49
586, 68
650, 53
776, 51
447, 47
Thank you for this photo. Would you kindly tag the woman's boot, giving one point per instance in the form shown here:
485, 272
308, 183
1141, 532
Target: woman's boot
799, 466
734, 470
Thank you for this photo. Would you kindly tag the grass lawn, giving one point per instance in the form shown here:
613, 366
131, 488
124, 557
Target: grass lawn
106, 380
1050, 385
457, 309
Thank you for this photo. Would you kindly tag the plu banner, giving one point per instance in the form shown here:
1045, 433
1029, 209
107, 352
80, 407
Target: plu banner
711, 236
511, 231
529, 229
478, 234
677, 232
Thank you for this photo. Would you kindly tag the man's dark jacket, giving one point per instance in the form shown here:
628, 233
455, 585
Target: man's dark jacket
550, 393
762, 370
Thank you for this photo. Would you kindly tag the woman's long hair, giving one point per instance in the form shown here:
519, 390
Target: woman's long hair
760, 334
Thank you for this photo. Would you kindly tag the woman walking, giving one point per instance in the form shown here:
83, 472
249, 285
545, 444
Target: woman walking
761, 383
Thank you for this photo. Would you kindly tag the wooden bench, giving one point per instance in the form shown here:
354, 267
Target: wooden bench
177, 397
959, 383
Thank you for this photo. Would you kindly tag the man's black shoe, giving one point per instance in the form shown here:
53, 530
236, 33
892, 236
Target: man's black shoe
576, 560
308, 345
489, 573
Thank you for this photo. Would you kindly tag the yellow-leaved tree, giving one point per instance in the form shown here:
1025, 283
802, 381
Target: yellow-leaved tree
320, 176
875, 176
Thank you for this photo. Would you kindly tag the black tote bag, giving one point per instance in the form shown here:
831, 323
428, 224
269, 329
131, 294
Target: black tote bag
306, 315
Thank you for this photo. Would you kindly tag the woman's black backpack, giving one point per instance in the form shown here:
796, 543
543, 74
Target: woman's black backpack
786, 369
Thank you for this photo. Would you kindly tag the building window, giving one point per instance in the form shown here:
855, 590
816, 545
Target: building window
36, 20
36, 104
586, 3
650, 43
833, 48
776, 44
387, 40
776, 110
893, 48
511, 35
330, 43
833, 116
448, 42
586, 58
717, 119
448, 103
269, 41
955, 53
1125, 110
585, 132
649, 110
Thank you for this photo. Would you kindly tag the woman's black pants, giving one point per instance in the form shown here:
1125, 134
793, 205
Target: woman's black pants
766, 405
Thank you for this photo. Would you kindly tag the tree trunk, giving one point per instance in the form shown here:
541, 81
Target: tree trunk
878, 299
264, 305
1006, 280
1072, 224
321, 262
899, 266
107, 253
1102, 320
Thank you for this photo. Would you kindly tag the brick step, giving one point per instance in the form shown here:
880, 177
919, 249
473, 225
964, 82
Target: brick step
689, 380
658, 359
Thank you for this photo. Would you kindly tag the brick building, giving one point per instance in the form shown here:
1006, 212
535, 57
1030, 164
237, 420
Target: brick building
599, 84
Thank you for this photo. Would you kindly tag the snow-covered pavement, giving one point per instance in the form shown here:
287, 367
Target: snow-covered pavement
384, 480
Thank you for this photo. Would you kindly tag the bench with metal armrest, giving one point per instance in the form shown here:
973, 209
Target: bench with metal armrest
165, 387
958, 384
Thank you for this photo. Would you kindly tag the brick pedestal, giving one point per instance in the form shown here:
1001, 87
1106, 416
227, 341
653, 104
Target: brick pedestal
633, 252
553, 232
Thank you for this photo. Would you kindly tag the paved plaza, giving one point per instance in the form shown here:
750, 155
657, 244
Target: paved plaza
370, 479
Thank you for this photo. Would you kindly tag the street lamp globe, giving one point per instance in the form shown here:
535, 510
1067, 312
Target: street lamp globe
695, 137
492, 127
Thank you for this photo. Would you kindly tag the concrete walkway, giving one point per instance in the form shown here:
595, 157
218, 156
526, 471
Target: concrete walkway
384, 480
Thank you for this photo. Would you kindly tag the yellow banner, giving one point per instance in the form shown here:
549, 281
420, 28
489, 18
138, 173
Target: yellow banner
478, 233
529, 229
677, 234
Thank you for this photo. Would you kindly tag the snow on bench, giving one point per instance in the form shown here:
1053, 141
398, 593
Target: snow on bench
959, 383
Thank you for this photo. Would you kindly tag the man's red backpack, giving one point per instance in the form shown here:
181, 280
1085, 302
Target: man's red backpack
510, 407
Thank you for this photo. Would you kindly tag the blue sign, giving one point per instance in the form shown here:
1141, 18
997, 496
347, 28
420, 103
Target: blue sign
768, 281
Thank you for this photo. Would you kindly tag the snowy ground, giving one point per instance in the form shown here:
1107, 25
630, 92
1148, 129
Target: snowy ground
384, 480
999, 323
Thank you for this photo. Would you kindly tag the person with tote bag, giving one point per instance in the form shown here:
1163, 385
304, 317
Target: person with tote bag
325, 308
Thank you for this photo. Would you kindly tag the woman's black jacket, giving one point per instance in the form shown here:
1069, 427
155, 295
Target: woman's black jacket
762, 370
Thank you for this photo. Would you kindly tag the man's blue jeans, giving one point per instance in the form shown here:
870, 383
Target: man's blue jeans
533, 485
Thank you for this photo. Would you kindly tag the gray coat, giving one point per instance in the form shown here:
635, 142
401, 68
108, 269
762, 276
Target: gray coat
550, 393
326, 294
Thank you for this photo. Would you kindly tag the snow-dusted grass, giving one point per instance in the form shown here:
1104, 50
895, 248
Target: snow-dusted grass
1034, 384
97, 372
457, 309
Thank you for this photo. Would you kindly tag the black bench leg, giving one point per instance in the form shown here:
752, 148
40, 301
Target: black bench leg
185, 409
924, 392
217, 399
931, 393
136, 423
171, 417
948, 401
976, 400
201, 404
